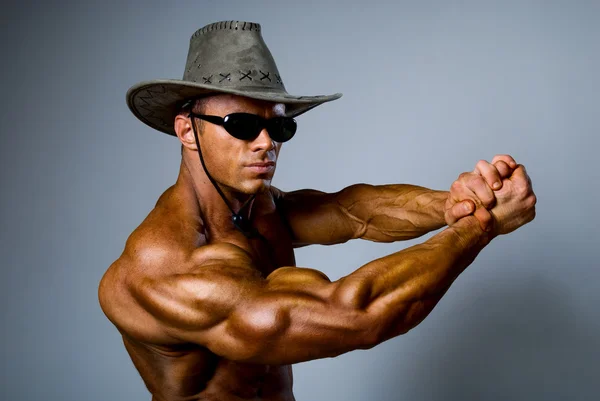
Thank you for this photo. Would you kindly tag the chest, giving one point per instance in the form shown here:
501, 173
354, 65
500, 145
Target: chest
271, 248
274, 243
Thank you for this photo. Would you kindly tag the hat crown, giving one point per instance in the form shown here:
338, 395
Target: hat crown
232, 54
228, 57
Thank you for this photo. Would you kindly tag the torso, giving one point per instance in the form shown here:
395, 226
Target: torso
177, 372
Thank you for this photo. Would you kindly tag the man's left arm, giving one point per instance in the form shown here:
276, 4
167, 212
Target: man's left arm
381, 213
388, 213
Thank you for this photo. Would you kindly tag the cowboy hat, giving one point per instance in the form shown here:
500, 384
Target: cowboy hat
224, 57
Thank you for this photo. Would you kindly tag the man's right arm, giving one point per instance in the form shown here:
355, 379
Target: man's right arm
297, 314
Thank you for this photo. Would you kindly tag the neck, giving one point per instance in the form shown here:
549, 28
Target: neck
212, 209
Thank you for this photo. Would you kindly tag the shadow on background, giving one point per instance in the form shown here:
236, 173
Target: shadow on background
523, 341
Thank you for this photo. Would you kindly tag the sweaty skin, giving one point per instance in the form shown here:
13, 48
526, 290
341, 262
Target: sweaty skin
208, 314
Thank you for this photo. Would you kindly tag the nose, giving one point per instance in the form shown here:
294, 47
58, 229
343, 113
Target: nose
263, 141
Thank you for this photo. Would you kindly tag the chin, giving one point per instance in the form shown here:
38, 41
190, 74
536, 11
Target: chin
255, 186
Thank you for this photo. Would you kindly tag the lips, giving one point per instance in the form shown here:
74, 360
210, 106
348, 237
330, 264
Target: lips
267, 164
262, 167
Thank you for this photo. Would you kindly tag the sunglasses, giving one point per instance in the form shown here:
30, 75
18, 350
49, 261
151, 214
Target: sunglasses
247, 126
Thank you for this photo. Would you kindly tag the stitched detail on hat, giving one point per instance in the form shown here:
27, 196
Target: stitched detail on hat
244, 75
231, 25
146, 103
194, 63
265, 75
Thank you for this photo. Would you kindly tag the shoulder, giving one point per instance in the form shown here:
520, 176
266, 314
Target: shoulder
161, 245
165, 239
143, 257
145, 282
168, 235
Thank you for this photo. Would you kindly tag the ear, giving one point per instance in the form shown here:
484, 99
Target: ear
184, 131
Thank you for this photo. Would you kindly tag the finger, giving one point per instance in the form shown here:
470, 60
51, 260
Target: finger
459, 190
521, 180
508, 159
482, 191
472, 186
490, 173
485, 219
503, 168
460, 210
520, 173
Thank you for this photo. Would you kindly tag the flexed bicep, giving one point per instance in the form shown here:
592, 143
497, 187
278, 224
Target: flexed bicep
224, 304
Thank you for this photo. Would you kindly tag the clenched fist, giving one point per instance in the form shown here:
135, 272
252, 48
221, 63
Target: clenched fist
473, 192
515, 203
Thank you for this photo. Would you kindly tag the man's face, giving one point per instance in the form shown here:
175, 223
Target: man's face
230, 160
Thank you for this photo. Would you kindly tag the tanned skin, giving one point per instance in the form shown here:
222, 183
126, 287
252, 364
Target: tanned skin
208, 314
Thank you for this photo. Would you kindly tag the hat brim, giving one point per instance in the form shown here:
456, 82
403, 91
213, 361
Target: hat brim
156, 103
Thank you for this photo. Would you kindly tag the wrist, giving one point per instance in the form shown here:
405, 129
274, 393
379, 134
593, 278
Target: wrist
468, 232
440, 198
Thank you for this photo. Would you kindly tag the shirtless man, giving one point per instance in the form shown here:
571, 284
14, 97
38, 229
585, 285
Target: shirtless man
212, 307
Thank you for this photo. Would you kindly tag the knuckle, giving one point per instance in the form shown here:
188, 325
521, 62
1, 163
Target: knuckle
487, 202
521, 193
457, 211
464, 176
531, 201
504, 157
502, 167
478, 181
482, 164
522, 188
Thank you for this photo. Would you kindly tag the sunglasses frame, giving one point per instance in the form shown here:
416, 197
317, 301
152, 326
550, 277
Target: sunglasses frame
268, 123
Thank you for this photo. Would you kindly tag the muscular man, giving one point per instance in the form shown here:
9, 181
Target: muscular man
206, 293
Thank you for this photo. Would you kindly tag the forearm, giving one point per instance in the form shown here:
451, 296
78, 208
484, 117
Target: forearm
388, 213
401, 289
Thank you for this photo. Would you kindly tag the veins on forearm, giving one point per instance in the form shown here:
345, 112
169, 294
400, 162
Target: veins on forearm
394, 212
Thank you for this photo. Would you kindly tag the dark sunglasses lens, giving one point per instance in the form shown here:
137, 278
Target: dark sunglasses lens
282, 129
242, 125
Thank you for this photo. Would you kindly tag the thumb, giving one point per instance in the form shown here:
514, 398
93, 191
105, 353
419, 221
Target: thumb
459, 210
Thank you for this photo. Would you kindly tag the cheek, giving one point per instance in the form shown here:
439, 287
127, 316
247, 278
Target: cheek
216, 156
228, 160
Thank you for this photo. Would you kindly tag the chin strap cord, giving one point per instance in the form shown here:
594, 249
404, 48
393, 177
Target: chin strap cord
237, 219
241, 223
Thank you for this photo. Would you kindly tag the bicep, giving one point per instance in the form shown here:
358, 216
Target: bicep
192, 306
290, 316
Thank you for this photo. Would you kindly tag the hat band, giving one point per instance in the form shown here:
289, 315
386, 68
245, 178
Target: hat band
235, 77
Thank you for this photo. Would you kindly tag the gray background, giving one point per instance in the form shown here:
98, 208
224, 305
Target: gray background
430, 88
